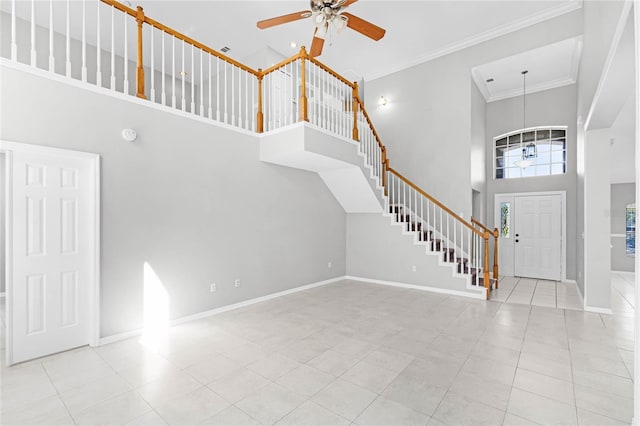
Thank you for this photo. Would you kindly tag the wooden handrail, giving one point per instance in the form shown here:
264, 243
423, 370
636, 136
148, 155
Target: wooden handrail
180, 36
439, 204
332, 72
481, 225
373, 129
282, 63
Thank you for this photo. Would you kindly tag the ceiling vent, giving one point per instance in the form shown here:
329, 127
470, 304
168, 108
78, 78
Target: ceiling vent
225, 49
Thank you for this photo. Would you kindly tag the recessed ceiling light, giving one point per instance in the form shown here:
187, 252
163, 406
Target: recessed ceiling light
489, 80
293, 44
183, 73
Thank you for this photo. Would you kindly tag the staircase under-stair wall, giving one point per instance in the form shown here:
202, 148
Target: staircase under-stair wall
306, 115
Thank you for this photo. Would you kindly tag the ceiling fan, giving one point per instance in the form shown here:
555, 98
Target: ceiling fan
325, 13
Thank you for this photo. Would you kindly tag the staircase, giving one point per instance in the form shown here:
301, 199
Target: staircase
424, 236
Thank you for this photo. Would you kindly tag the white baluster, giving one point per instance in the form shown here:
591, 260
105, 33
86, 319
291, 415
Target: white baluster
164, 89
112, 78
153, 74
239, 97
173, 72
253, 103
52, 61
33, 33
183, 83
98, 48
201, 83
210, 88
226, 84
68, 42
246, 104
126, 55
84, 41
233, 97
14, 42
193, 81
217, 88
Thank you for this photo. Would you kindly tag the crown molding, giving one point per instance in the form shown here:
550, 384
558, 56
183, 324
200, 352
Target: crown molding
559, 82
482, 37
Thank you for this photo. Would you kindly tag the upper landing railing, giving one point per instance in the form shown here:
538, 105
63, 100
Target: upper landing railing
91, 41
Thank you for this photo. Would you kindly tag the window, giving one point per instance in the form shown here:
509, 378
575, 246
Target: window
505, 220
630, 229
544, 148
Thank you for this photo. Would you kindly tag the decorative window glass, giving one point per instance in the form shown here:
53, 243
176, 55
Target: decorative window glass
505, 220
544, 149
630, 229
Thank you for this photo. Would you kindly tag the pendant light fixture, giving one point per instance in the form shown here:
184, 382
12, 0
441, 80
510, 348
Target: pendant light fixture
529, 152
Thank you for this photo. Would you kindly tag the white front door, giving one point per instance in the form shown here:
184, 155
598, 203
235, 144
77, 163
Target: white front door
53, 233
530, 228
538, 236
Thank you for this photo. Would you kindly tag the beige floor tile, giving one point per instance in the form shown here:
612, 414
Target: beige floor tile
369, 376
238, 384
305, 380
540, 409
383, 412
270, 404
455, 409
118, 410
550, 387
192, 408
312, 414
344, 399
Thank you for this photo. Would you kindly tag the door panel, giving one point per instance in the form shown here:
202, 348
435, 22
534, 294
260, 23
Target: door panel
538, 229
53, 253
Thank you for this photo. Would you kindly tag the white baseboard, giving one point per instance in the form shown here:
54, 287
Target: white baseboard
605, 311
568, 281
216, 311
480, 295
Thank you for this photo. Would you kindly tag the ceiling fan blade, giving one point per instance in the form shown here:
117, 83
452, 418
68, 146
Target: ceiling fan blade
364, 27
267, 23
316, 46
341, 4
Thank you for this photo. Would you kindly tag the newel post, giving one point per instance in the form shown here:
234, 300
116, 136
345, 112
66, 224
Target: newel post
496, 234
140, 68
485, 275
303, 91
355, 135
260, 117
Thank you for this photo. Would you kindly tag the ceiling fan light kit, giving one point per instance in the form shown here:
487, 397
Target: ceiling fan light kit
326, 13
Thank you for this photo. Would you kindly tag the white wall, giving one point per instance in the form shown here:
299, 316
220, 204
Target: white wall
427, 124
190, 198
479, 150
601, 18
546, 108
597, 220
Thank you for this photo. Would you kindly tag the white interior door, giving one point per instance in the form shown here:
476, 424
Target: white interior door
53, 225
538, 236
504, 222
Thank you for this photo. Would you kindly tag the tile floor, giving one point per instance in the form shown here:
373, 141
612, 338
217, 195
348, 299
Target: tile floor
352, 354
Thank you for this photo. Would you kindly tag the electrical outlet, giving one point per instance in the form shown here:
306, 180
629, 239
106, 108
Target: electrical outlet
413, 268
237, 282
212, 288
329, 265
